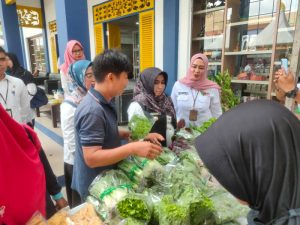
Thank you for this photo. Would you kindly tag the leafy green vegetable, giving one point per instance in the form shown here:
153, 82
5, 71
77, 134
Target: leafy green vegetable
228, 99
167, 212
132, 170
139, 126
136, 206
166, 157
204, 126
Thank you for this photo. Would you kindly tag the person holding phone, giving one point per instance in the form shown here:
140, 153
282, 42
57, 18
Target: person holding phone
286, 85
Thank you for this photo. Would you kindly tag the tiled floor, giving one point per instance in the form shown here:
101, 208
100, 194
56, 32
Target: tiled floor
52, 142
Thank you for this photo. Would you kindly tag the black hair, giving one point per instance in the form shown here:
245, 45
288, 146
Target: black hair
111, 61
2, 50
13, 57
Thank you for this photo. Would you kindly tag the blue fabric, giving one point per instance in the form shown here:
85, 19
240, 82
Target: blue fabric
95, 125
77, 73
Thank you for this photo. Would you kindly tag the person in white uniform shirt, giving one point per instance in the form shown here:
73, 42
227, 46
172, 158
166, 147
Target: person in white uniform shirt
14, 96
196, 99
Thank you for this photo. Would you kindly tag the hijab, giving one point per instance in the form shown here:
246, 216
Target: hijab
144, 93
18, 71
202, 84
22, 178
77, 72
69, 57
258, 159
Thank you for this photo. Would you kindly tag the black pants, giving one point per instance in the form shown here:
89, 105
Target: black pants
73, 197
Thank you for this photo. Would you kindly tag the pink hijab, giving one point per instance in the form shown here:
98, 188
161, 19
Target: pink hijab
203, 83
68, 56
22, 178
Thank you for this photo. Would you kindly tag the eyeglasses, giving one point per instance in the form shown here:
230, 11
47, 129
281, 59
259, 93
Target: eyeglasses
89, 76
78, 51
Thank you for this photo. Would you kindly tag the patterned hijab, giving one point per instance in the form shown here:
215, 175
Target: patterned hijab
258, 159
144, 93
202, 84
77, 72
68, 57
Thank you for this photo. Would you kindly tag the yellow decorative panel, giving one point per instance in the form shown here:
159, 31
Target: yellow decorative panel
29, 16
53, 53
146, 39
98, 31
52, 26
117, 8
10, 2
114, 36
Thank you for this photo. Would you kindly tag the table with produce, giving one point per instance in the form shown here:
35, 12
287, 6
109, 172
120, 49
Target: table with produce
173, 189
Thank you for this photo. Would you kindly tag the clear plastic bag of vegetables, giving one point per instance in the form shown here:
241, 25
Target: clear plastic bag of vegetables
228, 209
167, 156
139, 127
135, 205
201, 208
132, 170
109, 188
167, 212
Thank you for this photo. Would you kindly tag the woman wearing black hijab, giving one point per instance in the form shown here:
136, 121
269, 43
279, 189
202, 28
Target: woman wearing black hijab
257, 160
15, 69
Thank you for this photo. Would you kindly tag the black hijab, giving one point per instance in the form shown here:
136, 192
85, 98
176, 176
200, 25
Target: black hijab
18, 71
254, 152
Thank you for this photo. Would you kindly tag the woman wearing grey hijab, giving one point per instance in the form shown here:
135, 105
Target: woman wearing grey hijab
253, 150
149, 98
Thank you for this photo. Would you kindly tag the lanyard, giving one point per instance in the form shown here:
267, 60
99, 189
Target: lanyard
194, 98
5, 99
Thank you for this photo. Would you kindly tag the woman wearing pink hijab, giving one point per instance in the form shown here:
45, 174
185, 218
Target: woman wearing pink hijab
73, 53
196, 99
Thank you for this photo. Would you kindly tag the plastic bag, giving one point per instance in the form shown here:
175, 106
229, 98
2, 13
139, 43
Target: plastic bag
139, 127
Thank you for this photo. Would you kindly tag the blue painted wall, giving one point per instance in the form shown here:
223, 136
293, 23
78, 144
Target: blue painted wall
10, 27
171, 23
72, 24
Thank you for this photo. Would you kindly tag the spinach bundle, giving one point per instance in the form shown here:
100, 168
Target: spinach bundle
136, 206
139, 127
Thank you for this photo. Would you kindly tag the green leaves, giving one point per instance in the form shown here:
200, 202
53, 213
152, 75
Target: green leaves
139, 126
228, 99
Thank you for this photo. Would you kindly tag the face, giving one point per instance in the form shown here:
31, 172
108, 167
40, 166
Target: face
3, 63
119, 83
9, 62
159, 85
89, 79
77, 52
197, 69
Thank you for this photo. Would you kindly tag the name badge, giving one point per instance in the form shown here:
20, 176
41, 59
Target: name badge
193, 115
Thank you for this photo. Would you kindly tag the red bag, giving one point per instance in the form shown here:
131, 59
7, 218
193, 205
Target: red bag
22, 178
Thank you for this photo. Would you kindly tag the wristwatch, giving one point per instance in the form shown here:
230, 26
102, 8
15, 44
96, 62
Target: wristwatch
292, 93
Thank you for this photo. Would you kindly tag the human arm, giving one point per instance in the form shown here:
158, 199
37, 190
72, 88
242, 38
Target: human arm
215, 103
67, 126
284, 84
174, 95
135, 109
95, 156
25, 110
52, 186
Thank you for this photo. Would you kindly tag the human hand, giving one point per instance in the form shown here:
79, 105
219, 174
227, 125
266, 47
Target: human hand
146, 149
154, 138
283, 81
61, 203
180, 124
124, 134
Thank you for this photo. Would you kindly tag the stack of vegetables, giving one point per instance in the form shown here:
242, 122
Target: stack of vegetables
168, 190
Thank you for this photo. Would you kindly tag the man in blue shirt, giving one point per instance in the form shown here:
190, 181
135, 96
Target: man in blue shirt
98, 145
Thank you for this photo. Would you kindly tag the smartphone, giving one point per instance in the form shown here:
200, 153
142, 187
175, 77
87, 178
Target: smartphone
284, 64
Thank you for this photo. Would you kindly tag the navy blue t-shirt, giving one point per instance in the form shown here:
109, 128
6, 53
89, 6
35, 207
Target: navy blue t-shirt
95, 125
